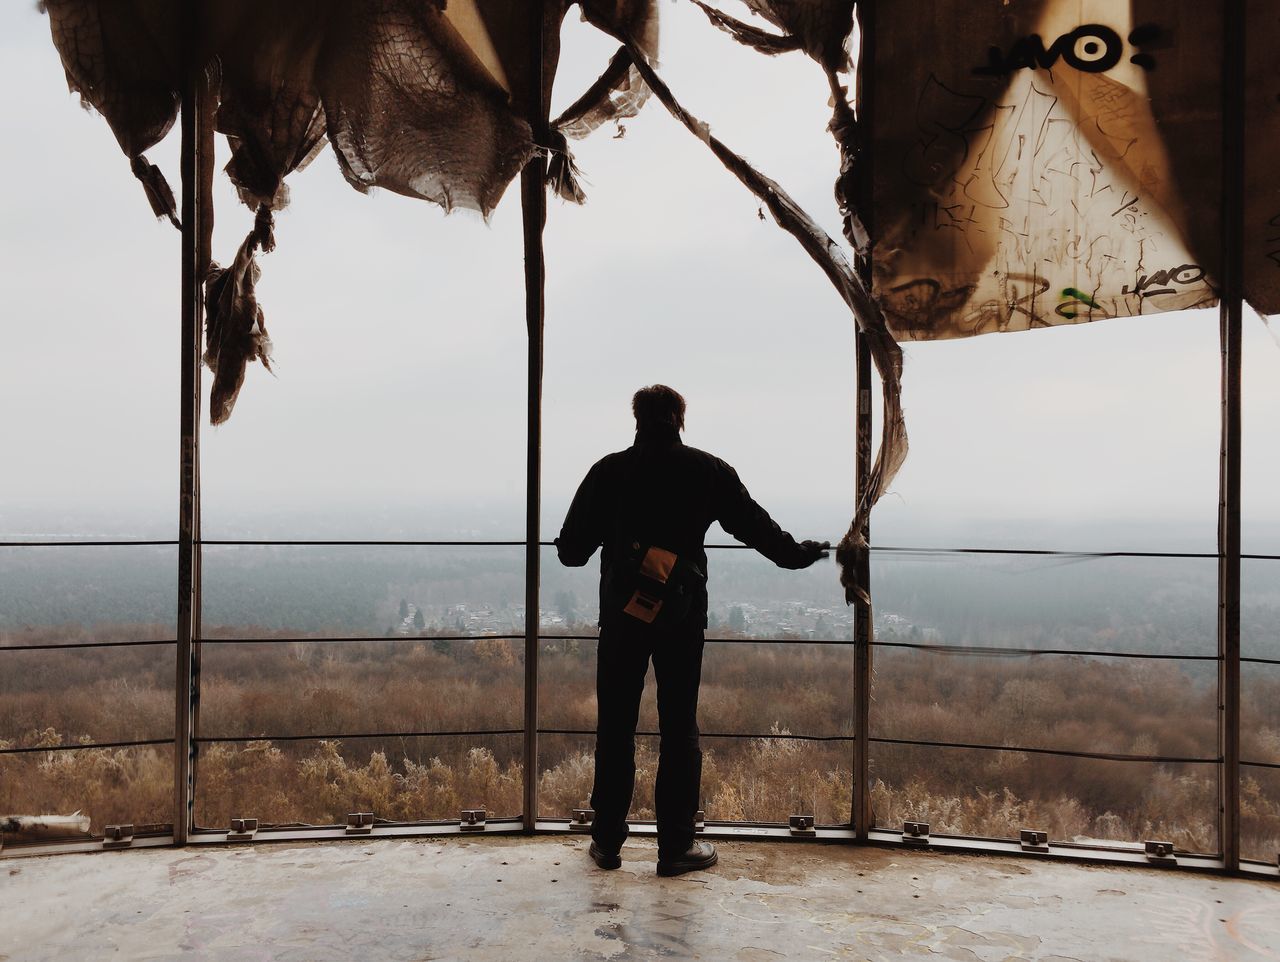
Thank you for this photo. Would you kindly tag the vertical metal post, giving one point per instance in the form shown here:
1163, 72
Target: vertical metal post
862, 629
533, 197
1230, 322
205, 159
196, 169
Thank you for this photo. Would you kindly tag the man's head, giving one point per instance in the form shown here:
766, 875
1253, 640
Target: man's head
658, 406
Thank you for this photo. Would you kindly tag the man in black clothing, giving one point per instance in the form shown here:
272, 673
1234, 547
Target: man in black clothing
650, 507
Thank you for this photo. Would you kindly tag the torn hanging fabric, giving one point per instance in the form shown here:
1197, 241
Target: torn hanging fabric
749, 35
431, 101
822, 29
619, 93
616, 95
410, 108
268, 99
415, 96
121, 58
235, 328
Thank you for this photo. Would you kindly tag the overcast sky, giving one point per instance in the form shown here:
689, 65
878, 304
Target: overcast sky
400, 342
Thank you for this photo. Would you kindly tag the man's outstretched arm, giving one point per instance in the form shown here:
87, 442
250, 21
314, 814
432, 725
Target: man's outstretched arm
742, 517
583, 529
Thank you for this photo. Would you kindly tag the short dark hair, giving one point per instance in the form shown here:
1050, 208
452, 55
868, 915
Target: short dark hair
658, 404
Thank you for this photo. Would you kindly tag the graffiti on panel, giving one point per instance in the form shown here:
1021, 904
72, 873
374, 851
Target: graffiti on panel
1033, 189
1090, 47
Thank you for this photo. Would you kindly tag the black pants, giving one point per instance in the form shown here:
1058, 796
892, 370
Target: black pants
624, 655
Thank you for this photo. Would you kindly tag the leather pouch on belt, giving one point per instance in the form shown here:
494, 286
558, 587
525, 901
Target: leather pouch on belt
656, 566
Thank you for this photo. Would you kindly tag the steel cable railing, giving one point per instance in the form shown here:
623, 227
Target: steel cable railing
1064, 753
64, 645
71, 646
988, 651
981, 651
87, 544
340, 542
922, 743
353, 736
752, 640
775, 736
354, 639
33, 749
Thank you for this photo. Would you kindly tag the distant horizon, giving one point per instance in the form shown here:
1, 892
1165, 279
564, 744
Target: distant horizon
452, 521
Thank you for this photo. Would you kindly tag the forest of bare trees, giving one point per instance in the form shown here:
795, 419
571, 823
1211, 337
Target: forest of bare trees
287, 711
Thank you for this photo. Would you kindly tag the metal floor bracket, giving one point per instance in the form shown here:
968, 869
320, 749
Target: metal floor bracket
915, 833
473, 819
242, 829
1033, 840
359, 823
802, 825
117, 836
1159, 853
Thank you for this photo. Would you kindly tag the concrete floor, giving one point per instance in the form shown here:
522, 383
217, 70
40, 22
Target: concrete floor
533, 899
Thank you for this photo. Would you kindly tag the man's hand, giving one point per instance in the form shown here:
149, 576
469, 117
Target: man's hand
815, 551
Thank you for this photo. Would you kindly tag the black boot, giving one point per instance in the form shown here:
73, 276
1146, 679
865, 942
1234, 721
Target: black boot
700, 855
605, 860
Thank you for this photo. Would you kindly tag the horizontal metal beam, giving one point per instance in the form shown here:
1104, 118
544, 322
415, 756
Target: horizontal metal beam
70, 846
879, 838
327, 833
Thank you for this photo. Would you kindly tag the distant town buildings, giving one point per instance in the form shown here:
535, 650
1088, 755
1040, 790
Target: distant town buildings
781, 619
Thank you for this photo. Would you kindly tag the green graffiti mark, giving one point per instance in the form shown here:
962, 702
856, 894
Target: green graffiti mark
1079, 296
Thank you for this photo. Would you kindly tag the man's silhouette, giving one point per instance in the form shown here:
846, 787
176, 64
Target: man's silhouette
650, 507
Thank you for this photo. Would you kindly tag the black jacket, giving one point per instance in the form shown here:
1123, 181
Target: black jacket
661, 492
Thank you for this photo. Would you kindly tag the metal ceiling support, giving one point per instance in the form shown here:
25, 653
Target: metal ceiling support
1230, 322
533, 199
193, 165
862, 618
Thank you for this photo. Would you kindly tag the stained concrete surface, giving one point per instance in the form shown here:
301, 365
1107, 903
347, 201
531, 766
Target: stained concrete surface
533, 899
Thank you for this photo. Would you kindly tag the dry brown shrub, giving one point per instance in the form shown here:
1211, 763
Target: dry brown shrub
307, 688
